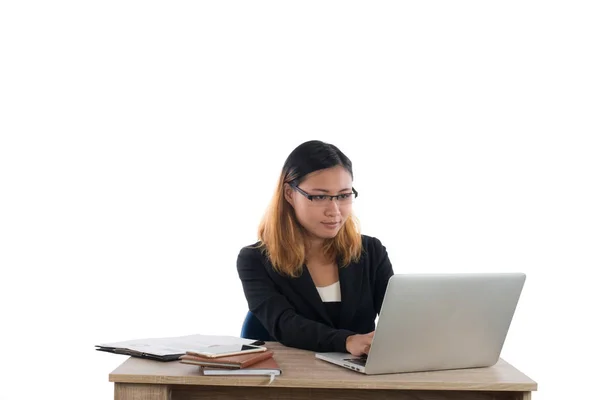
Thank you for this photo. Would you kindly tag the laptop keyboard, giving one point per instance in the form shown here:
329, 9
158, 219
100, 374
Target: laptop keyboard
362, 361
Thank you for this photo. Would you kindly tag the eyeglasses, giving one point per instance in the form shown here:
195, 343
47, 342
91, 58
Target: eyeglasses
343, 198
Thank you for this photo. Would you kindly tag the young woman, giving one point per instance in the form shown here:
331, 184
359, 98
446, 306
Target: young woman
312, 280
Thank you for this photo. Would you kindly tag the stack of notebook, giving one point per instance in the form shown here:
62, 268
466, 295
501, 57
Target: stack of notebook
261, 363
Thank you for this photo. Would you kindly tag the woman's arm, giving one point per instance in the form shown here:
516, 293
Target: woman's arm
383, 272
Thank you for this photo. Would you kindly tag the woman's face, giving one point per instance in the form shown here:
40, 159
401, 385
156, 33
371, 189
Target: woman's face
322, 217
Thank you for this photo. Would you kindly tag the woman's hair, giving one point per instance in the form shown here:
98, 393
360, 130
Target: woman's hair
281, 235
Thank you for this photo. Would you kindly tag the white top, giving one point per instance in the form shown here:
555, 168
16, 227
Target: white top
330, 293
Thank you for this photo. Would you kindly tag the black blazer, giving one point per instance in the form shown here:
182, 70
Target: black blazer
292, 311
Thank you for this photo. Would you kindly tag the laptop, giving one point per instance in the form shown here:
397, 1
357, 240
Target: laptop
431, 322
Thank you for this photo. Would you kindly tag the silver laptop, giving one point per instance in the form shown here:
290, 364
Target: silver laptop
434, 322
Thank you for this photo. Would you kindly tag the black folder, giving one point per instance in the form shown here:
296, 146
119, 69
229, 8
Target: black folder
133, 353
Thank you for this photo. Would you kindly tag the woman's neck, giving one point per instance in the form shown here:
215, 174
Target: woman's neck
314, 249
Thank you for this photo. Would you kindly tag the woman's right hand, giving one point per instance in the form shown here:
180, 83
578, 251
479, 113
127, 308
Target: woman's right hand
357, 345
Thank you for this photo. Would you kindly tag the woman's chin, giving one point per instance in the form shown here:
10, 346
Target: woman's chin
328, 234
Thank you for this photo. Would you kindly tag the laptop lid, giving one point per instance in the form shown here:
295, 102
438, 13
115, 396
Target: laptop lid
443, 321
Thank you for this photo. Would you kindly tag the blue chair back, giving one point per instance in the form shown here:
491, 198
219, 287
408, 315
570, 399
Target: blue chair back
253, 329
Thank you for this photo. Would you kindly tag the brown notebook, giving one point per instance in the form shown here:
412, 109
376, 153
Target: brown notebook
264, 367
230, 362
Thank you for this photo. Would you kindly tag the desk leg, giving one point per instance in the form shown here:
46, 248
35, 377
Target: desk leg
139, 391
524, 396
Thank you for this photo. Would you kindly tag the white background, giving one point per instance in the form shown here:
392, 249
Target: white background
141, 142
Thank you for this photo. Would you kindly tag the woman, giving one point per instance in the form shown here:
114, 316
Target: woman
312, 279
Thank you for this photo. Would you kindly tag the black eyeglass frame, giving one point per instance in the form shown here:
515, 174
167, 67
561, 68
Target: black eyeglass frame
312, 196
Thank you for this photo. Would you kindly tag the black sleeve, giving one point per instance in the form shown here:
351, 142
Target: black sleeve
278, 316
383, 272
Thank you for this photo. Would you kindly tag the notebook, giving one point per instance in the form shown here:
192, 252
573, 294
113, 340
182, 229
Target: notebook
229, 362
265, 367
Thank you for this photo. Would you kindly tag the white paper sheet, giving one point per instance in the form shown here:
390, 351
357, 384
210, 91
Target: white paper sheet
176, 345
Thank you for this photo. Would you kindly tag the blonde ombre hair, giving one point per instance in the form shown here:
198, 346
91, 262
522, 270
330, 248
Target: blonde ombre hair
280, 234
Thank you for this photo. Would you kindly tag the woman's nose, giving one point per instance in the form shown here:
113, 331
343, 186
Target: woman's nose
332, 208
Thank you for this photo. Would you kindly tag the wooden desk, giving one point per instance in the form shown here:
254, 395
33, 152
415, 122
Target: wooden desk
304, 377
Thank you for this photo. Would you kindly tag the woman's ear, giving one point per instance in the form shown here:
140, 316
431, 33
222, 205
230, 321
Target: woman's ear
288, 194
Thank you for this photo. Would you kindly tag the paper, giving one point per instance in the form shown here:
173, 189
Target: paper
176, 345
